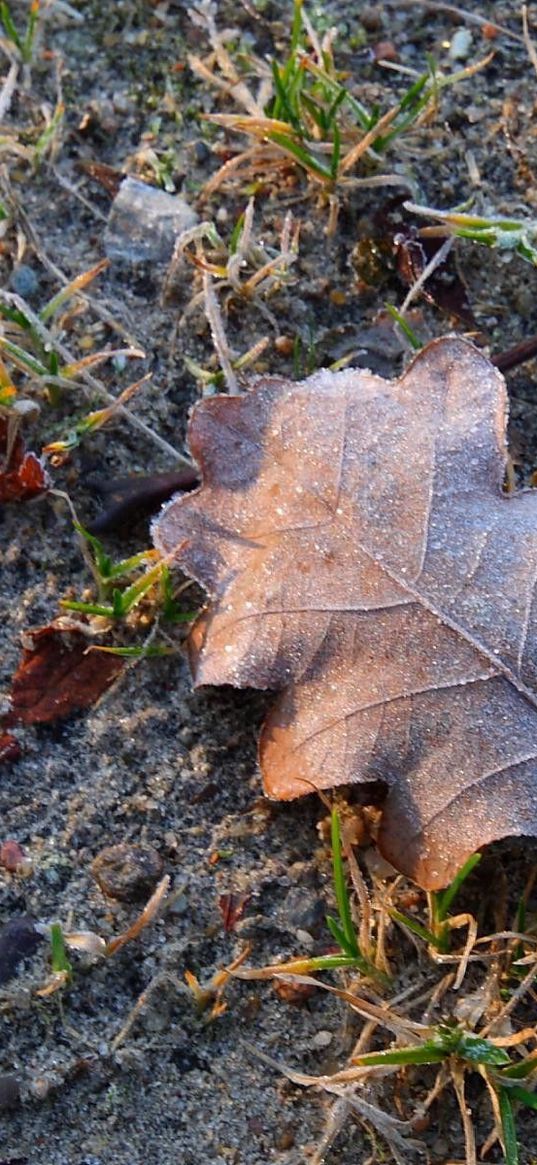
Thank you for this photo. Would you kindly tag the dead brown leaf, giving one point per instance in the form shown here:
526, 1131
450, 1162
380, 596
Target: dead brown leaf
22, 475
359, 554
58, 676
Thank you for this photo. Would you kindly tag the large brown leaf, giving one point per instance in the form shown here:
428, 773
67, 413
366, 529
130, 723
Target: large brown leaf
359, 554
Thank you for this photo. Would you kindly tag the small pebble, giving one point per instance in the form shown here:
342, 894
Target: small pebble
144, 223
202, 152
128, 873
11, 856
371, 17
461, 45
24, 281
322, 1039
385, 50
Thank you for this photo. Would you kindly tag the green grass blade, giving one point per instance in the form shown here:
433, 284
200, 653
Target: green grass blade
9, 27
507, 1118
407, 331
417, 1054
416, 927
87, 608
282, 109
338, 935
445, 898
524, 1096
522, 1069
302, 155
22, 359
340, 887
151, 650
103, 562
477, 1050
60, 962
336, 154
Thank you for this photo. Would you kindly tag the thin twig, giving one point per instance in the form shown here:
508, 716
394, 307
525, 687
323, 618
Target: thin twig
464, 15
436, 261
8, 89
530, 47
219, 338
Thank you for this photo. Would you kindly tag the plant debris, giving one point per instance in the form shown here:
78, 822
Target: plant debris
58, 675
22, 475
359, 553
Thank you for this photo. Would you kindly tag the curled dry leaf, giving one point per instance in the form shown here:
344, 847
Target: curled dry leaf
22, 475
58, 676
359, 554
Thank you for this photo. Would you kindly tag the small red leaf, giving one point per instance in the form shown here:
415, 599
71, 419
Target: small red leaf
232, 907
58, 676
22, 475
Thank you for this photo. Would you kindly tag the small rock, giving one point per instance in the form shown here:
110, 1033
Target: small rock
144, 223
9, 1092
385, 50
18, 940
461, 45
202, 152
371, 17
128, 872
11, 856
24, 281
322, 1039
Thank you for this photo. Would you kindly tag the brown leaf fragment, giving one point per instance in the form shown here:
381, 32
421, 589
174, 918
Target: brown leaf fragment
22, 475
360, 555
444, 287
10, 749
58, 676
232, 907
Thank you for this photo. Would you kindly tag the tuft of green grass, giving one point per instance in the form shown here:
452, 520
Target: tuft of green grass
313, 118
462, 1050
502, 234
116, 596
23, 43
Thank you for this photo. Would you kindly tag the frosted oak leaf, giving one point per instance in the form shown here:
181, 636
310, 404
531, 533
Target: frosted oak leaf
360, 556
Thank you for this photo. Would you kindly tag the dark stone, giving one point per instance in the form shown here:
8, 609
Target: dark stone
128, 872
18, 940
